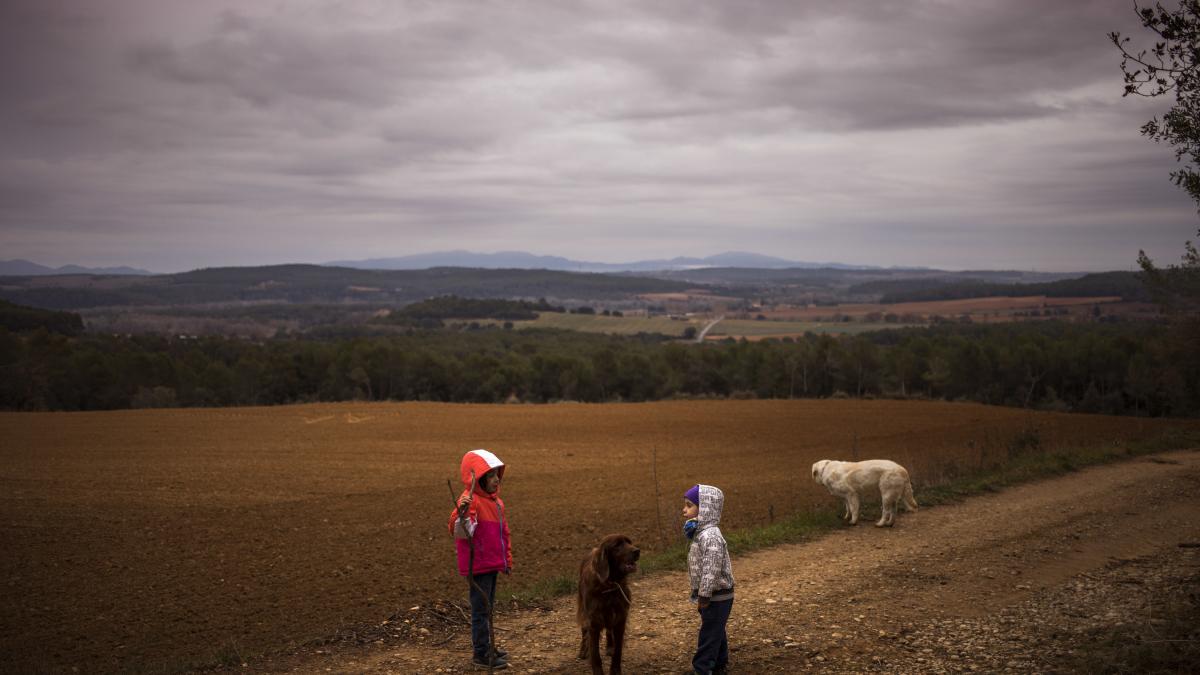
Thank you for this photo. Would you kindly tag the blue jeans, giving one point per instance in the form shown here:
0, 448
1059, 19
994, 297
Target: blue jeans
712, 647
480, 644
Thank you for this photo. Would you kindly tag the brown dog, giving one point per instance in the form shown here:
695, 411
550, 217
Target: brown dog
603, 601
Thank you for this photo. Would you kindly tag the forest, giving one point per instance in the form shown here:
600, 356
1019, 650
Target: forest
1125, 285
1117, 368
316, 285
20, 318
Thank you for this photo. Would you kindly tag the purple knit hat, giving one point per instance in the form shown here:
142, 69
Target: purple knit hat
693, 494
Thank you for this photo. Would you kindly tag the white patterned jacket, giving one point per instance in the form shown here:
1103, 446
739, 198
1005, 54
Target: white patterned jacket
709, 568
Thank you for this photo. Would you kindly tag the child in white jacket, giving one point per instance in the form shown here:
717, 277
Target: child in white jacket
711, 576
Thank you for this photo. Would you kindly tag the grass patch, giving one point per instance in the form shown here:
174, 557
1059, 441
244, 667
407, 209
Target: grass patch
800, 527
748, 328
612, 325
1027, 462
542, 590
1024, 466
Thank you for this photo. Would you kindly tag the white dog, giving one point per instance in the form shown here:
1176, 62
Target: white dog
849, 480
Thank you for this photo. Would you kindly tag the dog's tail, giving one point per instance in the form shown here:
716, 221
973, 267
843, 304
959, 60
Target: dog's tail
909, 502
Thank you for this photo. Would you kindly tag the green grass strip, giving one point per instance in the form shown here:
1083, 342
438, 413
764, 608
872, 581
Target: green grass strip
1027, 467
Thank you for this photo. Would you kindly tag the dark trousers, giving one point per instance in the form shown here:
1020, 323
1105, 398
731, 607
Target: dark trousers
479, 612
712, 647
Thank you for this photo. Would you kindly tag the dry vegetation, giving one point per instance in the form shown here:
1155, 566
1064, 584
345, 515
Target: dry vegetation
980, 310
140, 538
611, 325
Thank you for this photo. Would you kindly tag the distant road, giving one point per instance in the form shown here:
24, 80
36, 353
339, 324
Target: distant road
708, 327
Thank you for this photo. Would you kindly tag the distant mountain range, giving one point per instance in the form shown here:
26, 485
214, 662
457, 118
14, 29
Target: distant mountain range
24, 268
522, 260
501, 260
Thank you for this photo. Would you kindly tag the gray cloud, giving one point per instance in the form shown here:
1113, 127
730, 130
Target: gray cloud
171, 135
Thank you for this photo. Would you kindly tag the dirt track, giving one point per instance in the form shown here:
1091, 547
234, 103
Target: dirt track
1012, 581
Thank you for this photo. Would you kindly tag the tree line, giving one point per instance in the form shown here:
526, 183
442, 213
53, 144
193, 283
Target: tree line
1126, 285
455, 307
18, 318
1137, 369
317, 284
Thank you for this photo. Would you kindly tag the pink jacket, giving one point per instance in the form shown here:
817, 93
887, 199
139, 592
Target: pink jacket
485, 520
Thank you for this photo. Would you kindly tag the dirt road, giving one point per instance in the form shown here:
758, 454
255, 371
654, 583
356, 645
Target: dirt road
1012, 581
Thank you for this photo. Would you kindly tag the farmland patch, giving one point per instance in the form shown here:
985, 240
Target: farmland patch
612, 325
140, 538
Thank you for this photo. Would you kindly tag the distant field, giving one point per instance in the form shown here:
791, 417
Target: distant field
991, 309
726, 328
613, 325
762, 329
694, 295
146, 540
826, 319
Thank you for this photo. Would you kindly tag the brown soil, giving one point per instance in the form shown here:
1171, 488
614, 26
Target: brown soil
141, 540
1020, 581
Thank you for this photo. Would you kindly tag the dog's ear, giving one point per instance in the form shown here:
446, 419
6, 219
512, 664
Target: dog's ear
600, 562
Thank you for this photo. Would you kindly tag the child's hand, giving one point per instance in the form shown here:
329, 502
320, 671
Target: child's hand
464, 503
704, 603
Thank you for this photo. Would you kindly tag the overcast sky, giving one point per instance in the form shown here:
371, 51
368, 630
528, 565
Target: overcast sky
171, 135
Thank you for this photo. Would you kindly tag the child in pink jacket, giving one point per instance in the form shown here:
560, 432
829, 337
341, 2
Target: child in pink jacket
484, 548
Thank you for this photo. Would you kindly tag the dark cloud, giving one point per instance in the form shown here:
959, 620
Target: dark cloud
598, 129
910, 65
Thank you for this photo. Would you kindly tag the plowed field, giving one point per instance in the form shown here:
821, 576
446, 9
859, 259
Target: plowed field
137, 539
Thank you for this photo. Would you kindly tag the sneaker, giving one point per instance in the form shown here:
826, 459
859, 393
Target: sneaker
498, 664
